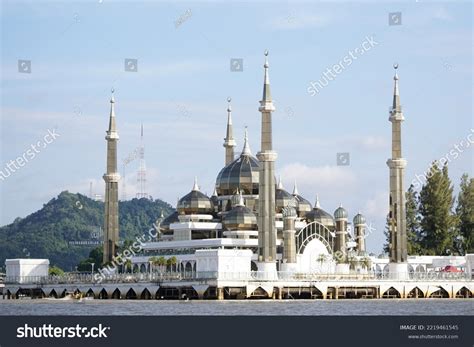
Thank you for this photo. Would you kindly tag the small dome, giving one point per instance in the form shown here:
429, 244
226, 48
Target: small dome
317, 214
165, 223
340, 213
282, 197
304, 206
195, 202
359, 219
242, 174
240, 217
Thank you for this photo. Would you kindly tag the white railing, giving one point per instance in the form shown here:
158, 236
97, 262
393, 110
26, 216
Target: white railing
158, 277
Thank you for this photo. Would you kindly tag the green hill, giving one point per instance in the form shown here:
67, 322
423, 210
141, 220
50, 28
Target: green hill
68, 227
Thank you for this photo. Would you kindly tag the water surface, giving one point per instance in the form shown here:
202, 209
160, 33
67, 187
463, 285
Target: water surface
240, 307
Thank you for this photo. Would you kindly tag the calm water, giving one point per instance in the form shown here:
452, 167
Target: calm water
237, 307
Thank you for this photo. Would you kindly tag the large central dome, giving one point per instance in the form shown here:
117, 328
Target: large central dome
240, 175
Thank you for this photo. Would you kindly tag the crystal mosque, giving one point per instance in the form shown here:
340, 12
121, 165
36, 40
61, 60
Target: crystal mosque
252, 238
252, 224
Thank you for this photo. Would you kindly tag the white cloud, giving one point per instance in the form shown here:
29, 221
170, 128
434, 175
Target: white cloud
293, 21
322, 179
377, 206
373, 142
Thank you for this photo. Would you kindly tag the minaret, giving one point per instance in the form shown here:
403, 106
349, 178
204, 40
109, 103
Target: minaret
111, 178
340, 215
397, 164
359, 232
141, 174
229, 142
266, 192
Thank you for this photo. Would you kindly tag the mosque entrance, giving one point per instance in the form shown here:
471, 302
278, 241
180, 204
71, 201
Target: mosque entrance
314, 230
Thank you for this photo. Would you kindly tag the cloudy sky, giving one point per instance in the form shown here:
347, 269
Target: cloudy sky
75, 54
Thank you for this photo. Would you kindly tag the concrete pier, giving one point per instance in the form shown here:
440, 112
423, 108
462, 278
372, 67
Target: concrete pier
242, 286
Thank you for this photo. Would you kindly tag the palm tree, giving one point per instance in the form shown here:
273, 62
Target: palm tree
321, 260
153, 261
172, 262
161, 262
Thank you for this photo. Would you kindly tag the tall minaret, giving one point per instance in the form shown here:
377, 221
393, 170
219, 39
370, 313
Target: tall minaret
111, 178
266, 192
141, 174
397, 213
229, 142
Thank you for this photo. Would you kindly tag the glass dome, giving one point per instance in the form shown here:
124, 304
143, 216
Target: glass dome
240, 175
195, 202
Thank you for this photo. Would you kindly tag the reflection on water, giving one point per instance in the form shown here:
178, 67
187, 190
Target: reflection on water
237, 307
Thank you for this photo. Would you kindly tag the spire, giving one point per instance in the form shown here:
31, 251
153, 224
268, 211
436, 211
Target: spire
280, 184
112, 132
317, 204
229, 142
141, 134
195, 186
267, 96
214, 193
230, 132
295, 189
396, 107
246, 149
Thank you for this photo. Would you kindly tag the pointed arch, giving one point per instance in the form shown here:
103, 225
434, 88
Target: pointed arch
464, 293
391, 293
116, 294
314, 230
131, 294
145, 295
103, 294
440, 293
260, 293
415, 293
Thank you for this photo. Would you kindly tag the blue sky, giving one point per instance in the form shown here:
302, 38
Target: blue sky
179, 92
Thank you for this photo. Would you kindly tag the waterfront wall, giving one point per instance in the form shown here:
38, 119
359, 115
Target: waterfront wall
240, 286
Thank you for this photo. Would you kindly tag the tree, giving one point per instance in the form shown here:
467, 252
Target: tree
171, 262
437, 222
413, 222
465, 214
161, 263
153, 261
55, 271
95, 257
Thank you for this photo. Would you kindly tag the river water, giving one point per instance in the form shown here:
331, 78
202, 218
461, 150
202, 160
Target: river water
238, 307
